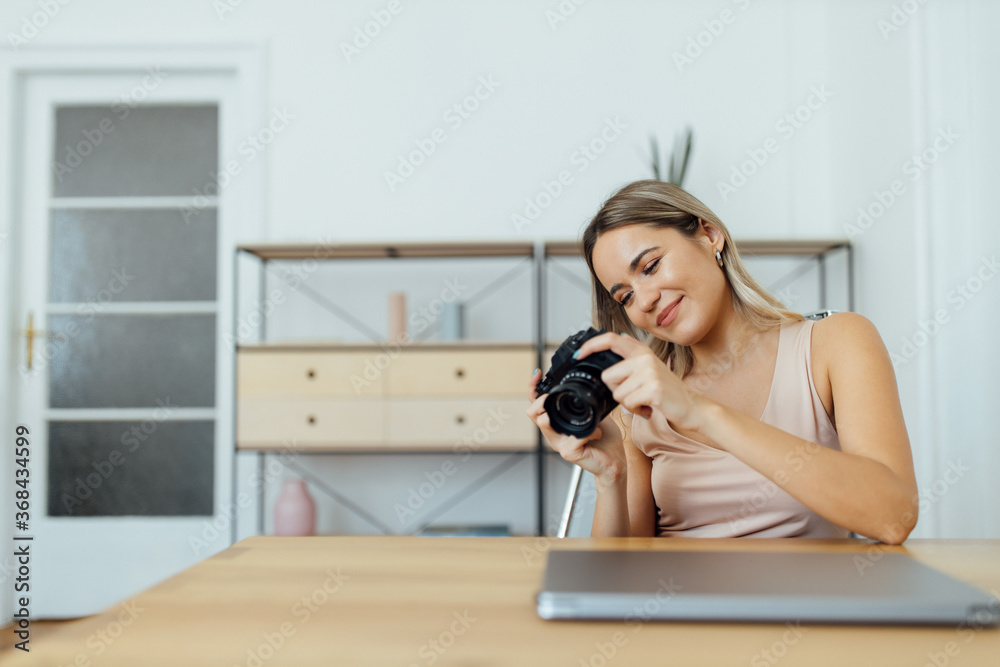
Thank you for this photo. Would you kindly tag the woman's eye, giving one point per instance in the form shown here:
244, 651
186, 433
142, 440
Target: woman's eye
646, 271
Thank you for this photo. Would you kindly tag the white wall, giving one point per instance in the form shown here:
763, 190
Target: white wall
890, 92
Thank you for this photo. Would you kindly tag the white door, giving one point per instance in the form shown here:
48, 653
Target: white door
124, 261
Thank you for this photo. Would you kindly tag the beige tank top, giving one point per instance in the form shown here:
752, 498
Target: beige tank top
701, 491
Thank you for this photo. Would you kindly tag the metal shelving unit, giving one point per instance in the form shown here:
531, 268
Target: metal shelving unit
297, 252
536, 256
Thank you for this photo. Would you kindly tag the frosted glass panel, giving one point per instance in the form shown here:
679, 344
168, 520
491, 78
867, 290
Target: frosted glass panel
117, 256
124, 361
152, 151
159, 468
132, 255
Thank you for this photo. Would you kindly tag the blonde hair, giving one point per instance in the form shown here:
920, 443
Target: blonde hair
666, 205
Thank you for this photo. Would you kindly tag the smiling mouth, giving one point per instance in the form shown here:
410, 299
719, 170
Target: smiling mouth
668, 311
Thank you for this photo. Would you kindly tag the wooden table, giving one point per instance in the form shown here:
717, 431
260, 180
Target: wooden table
470, 601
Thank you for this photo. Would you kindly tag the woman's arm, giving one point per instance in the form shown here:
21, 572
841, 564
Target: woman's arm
625, 507
602, 453
869, 486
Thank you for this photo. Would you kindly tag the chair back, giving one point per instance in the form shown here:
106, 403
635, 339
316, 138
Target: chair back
578, 512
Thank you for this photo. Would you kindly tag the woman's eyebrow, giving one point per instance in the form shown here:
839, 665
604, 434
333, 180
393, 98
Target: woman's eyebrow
632, 267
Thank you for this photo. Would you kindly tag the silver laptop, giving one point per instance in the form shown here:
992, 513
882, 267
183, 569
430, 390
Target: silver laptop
757, 586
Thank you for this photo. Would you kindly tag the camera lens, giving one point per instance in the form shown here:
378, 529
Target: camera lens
578, 403
574, 409
577, 399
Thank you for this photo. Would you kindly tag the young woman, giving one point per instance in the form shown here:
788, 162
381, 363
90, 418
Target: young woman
737, 417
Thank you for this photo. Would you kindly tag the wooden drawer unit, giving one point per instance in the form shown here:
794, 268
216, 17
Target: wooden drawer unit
274, 423
460, 372
479, 424
322, 398
262, 372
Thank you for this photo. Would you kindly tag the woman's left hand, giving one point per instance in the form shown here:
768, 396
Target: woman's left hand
643, 383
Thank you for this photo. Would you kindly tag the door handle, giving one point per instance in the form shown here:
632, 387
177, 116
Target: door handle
30, 334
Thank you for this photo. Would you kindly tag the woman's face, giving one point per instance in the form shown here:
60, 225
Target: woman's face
670, 286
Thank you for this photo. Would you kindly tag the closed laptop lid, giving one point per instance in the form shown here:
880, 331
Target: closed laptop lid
757, 586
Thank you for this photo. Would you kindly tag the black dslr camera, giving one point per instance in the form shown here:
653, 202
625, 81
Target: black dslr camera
577, 399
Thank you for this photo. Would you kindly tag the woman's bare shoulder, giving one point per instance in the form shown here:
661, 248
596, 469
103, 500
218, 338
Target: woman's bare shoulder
841, 332
843, 337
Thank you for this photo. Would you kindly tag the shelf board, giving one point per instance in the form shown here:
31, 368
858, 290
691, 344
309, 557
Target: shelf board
747, 246
430, 345
320, 251
557, 248
384, 449
564, 248
790, 246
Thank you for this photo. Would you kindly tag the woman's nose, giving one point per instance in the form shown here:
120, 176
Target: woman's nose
647, 298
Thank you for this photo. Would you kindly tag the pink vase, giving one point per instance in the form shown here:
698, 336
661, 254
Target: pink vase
295, 510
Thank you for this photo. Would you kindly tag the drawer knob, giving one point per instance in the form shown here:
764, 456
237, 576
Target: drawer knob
311, 419
460, 373
311, 374
459, 419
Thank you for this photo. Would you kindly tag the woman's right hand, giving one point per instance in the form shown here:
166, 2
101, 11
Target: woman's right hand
595, 453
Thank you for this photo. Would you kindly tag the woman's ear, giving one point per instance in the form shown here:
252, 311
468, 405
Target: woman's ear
713, 235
